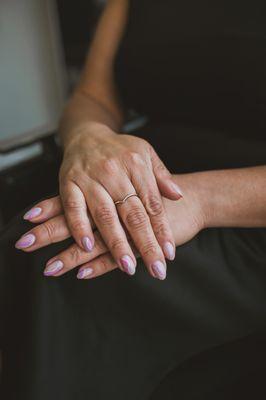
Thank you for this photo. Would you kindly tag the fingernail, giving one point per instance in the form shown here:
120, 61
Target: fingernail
25, 241
128, 265
177, 189
34, 212
169, 251
87, 244
53, 268
159, 270
84, 273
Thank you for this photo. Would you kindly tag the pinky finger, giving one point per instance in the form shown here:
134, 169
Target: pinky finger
99, 266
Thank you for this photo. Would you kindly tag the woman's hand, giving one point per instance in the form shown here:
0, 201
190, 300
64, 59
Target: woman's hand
186, 216
101, 168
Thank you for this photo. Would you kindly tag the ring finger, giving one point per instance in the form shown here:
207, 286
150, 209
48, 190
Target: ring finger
137, 222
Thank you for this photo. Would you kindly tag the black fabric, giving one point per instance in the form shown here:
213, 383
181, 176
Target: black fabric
118, 337
201, 62
231, 371
188, 66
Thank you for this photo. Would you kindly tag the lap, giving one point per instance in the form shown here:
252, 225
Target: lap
117, 336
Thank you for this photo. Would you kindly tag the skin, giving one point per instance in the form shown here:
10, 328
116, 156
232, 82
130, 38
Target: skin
226, 198
102, 165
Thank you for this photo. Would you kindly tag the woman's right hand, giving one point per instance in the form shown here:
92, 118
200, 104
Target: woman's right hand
100, 167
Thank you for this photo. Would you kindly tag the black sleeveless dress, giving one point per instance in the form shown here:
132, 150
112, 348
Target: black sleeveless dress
197, 71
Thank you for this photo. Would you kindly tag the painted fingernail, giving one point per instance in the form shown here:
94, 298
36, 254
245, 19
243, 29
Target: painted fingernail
34, 212
169, 251
159, 270
84, 273
177, 189
87, 244
25, 241
128, 265
53, 268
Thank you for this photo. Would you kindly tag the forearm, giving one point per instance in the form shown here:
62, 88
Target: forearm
229, 198
95, 109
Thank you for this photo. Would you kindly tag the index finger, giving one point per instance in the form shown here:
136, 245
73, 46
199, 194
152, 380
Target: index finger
44, 210
76, 213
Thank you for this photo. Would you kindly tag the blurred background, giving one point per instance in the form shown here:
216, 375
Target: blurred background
43, 44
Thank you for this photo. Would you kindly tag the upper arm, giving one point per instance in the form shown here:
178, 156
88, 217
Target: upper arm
97, 77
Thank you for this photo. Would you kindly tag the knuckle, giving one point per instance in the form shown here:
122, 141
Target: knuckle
50, 231
161, 230
136, 219
72, 204
149, 249
78, 225
135, 158
74, 255
117, 244
161, 168
104, 215
104, 265
109, 166
153, 205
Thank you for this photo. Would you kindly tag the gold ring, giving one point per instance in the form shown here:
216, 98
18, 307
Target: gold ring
125, 198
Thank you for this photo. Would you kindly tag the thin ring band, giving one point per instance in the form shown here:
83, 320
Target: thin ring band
125, 198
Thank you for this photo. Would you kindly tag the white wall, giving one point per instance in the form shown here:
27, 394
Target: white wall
32, 80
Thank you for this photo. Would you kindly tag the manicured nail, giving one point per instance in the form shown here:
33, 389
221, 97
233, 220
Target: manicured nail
128, 265
53, 268
177, 189
87, 244
25, 241
159, 270
34, 212
84, 273
169, 251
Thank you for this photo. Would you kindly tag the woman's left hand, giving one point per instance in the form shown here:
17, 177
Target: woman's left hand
186, 218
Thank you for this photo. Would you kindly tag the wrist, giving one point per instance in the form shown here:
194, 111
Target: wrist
86, 134
196, 192
216, 194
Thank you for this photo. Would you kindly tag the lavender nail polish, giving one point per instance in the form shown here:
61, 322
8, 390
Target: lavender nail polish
159, 270
53, 268
87, 244
34, 212
169, 251
128, 265
25, 241
84, 273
